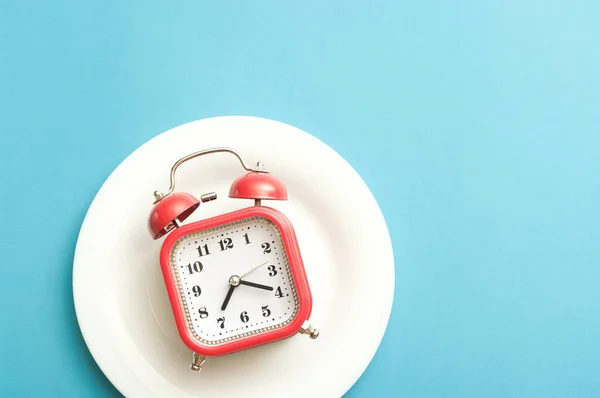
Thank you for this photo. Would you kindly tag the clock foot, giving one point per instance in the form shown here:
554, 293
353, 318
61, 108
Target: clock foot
308, 329
197, 362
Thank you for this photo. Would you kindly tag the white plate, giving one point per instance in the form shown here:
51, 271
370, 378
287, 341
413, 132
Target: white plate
122, 305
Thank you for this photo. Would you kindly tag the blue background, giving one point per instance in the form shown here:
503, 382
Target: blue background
475, 123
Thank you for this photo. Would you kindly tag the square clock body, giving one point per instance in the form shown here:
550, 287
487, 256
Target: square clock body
236, 281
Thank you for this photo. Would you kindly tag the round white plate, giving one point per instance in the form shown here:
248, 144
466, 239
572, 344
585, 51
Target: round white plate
122, 304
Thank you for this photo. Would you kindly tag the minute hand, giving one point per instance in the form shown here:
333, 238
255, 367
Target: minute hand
258, 285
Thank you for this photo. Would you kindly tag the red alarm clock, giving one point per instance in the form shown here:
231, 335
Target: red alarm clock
235, 281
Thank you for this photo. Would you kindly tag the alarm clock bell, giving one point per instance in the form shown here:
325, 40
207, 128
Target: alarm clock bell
258, 185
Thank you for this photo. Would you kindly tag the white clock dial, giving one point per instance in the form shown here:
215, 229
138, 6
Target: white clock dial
203, 263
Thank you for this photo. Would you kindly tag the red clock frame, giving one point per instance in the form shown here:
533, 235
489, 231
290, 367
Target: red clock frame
290, 244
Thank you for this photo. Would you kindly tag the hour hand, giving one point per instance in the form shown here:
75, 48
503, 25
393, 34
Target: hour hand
257, 285
228, 297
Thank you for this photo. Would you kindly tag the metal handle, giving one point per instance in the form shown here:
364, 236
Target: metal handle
191, 156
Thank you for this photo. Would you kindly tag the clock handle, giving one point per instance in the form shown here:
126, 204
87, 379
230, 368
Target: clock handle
159, 196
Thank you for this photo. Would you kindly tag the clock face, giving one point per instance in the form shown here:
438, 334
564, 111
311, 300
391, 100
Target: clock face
234, 280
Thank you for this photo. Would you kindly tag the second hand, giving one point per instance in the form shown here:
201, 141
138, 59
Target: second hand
254, 269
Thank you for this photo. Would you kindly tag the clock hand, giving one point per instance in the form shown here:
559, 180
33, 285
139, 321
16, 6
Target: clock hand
235, 281
258, 285
228, 297
254, 269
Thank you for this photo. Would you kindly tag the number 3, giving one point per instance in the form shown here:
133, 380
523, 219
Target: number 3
272, 270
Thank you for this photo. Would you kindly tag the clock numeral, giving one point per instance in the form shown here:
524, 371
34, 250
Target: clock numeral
226, 243
197, 291
278, 292
266, 247
221, 322
266, 311
203, 250
244, 317
247, 239
196, 267
203, 313
272, 270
